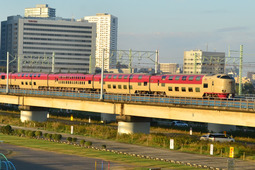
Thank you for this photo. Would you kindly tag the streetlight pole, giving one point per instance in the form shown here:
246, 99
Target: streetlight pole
102, 78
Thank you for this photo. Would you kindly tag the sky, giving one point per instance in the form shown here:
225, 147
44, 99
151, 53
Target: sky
170, 26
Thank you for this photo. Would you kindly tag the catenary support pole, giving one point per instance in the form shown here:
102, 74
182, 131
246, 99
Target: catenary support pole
102, 78
7, 73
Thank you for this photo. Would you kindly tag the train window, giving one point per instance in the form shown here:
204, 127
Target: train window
212, 83
18, 75
39, 75
176, 88
104, 76
177, 78
140, 77
115, 76
131, 77
197, 89
110, 76
22, 83
30, 75
170, 77
89, 81
205, 85
26, 83
190, 89
184, 78
163, 84
125, 77
163, 77
130, 87
22, 75
26, 75
183, 89
191, 78
170, 89
34, 75
139, 83
124, 86
226, 77
119, 86
120, 77
114, 86
145, 83
198, 78
109, 86
2, 77
30, 83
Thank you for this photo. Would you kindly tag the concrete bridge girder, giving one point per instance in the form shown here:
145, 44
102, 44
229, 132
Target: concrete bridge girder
209, 115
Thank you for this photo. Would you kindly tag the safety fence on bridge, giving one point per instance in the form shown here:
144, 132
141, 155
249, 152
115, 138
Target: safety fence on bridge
239, 103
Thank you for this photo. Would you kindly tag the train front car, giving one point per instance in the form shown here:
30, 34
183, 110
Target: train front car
218, 86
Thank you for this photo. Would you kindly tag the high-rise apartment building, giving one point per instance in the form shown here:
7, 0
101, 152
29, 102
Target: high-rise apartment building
107, 29
42, 11
203, 62
35, 40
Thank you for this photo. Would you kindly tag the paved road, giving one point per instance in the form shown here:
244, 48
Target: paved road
210, 161
29, 159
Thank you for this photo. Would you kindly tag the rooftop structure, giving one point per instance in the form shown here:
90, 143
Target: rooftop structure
42, 10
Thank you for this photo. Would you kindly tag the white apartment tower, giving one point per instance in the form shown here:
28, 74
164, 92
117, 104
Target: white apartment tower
203, 62
42, 11
107, 29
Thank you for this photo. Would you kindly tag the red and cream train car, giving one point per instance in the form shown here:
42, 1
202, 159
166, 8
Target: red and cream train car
200, 86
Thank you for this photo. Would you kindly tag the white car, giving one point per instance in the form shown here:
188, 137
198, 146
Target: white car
179, 123
217, 137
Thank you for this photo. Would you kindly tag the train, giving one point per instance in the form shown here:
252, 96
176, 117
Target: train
176, 85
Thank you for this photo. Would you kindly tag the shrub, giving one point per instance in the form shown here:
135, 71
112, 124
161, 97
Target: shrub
74, 140
69, 139
31, 134
58, 137
38, 134
45, 135
49, 136
82, 142
27, 132
22, 132
88, 143
103, 146
6, 129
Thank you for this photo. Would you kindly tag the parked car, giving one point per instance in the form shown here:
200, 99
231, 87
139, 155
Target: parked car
217, 137
179, 123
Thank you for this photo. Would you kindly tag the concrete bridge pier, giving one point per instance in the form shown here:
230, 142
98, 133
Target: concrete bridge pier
29, 113
220, 127
133, 124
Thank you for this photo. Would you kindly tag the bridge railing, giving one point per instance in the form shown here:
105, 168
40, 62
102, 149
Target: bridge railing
239, 103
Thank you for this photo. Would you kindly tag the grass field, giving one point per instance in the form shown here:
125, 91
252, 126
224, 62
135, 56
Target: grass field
139, 163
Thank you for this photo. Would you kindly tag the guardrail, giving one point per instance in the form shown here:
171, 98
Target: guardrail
244, 104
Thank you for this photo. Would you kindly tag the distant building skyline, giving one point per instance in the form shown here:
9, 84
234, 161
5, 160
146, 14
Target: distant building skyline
41, 11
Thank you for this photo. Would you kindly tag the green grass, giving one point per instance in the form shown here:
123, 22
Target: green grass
139, 163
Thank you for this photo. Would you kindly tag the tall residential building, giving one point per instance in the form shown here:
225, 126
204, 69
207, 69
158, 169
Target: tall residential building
168, 68
203, 62
107, 29
42, 11
35, 40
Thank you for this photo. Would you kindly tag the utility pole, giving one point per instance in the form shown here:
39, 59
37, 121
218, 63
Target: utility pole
130, 61
7, 73
156, 62
240, 69
53, 62
102, 78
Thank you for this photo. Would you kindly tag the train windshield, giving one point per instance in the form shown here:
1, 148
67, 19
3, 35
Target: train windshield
226, 77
